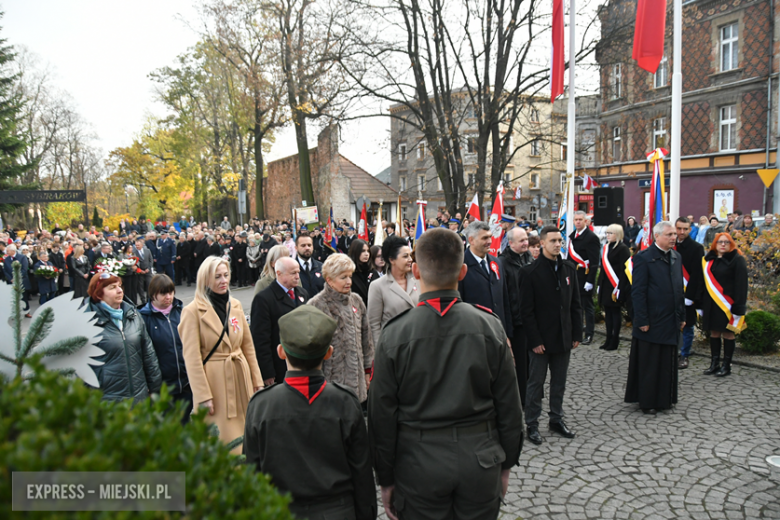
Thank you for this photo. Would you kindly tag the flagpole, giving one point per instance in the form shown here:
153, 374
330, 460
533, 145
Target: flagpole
570, 119
674, 183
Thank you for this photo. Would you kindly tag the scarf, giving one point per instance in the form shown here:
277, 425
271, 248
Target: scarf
165, 310
219, 302
115, 314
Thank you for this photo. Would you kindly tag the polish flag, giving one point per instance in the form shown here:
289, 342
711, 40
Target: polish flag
474, 208
495, 221
362, 225
649, 34
588, 183
558, 62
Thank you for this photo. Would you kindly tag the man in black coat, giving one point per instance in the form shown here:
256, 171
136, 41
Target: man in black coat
265, 246
513, 259
240, 260
311, 269
269, 305
57, 259
200, 250
485, 281
659, 316
584, 251
151, 245
552, 321
691, 252
183, 259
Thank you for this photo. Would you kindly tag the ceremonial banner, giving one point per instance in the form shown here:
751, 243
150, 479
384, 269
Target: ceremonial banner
363, 225
495, 216
562, 220
657, 212
649, 34
379, 237
474, 208
330, 233
558, 60
419, 228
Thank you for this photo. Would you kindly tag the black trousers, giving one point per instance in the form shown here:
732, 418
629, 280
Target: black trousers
339, 507
242, 273
586, 299
130, 286
520, 353
537, 373
613, 318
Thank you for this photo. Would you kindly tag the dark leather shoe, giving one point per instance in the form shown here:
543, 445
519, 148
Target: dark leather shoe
560, 427
587, 340
533, 436
605, 346
683, 363
649, 411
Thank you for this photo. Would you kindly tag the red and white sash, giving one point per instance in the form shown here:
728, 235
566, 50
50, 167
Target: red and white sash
736, 323
585, 264
611, 275
686, 276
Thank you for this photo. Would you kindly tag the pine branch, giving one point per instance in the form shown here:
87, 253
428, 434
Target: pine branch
16, 311
235, 442
39, 329
64, 347
67, 372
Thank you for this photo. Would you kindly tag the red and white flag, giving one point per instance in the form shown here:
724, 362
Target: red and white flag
362, 225
558, 62
495, 221
649, 34
474, 208
588, 183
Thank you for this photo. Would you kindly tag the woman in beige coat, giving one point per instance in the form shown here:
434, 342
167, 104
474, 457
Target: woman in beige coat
225, 381
353, 347
395, 292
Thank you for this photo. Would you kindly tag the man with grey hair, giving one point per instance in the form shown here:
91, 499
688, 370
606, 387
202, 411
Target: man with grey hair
768, 223
659, 317
485, 282
270, 304
584, 250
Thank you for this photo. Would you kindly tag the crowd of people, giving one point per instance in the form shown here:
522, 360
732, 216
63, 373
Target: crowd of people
387, 326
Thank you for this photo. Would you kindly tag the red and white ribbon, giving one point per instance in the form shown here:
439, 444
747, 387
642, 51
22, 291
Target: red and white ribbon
585, 264
610, 272
722, 300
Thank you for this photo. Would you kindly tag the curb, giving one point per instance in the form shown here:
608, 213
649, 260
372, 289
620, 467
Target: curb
733, 361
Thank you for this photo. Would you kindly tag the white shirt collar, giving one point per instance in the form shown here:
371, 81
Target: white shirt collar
479, 259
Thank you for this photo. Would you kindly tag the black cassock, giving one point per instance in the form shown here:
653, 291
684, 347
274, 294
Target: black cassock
657, 294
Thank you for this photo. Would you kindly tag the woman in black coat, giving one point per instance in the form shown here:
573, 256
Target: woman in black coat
360, 253
612, 297
632, 231
725, 267
78, 271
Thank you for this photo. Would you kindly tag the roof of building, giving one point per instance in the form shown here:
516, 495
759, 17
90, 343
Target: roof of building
364, 184
384, 175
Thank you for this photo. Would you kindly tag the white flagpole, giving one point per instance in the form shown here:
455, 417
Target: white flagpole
570, 120
674, 183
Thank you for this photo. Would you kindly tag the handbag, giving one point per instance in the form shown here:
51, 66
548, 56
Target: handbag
224, 329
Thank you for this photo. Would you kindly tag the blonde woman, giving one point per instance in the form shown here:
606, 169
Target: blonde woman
218, 351
268, 275
353, 345
613, 287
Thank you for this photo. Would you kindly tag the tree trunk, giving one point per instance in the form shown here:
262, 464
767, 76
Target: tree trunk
304, 163
259, 166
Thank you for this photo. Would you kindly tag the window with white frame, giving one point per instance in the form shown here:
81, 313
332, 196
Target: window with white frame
507, 179
472, 179
472, 145
402, 182
535, 182
402, 151
421, 150
563, 152
563, 182
728, 128
617, 80
534, 115
532, 214
535, 148
661, 76
616, 142
421, 182
659, 133
729, 47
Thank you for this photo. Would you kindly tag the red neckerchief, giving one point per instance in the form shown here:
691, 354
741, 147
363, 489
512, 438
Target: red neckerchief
440, 305
309, 387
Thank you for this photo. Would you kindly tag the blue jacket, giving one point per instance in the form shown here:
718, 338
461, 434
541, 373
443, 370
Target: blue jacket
164, 331
45, 285
9, 270
167, 252
151, 245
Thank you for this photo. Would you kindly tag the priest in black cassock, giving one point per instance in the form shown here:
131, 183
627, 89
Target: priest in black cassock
659, 316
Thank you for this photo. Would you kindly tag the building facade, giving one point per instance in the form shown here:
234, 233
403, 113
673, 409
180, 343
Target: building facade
729, 57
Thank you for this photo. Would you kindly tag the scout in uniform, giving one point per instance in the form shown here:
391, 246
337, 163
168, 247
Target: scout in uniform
308, 434
444, 415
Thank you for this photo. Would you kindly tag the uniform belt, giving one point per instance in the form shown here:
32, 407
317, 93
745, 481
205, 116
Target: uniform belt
451, 431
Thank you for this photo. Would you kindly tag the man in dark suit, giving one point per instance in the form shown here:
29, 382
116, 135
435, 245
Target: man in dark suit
691, 252
552, 320
659, 316
584, 250
216, 247
485, 281
183, 259
151, 245
200, 250
311, 269
104, 254
167, 252
145, 264
270, 304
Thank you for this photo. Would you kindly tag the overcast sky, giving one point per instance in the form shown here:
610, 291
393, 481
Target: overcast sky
102, 51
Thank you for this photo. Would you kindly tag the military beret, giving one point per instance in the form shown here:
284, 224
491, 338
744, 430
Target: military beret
306, 332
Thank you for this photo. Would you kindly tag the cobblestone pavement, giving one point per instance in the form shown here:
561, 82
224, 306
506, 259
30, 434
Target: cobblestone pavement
703, 459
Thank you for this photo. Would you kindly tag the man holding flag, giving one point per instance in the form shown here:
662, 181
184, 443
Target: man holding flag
584, 249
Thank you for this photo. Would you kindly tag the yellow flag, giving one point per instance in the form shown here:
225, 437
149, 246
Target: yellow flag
768, 176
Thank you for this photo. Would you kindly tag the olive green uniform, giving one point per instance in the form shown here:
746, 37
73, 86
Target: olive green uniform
444, 410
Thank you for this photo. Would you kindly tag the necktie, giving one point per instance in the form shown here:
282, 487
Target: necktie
306, 266
485, 268
291, 293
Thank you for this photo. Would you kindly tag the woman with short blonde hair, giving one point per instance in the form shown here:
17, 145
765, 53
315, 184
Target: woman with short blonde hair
353, 345
218, 351
614, 289
268, 275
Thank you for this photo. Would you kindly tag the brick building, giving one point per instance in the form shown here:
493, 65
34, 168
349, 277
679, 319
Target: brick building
729, 52
337, 183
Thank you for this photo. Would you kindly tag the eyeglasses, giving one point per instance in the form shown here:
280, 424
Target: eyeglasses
723, 242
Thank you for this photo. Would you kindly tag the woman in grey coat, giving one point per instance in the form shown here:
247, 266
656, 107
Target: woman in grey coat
353, 346
130, 369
